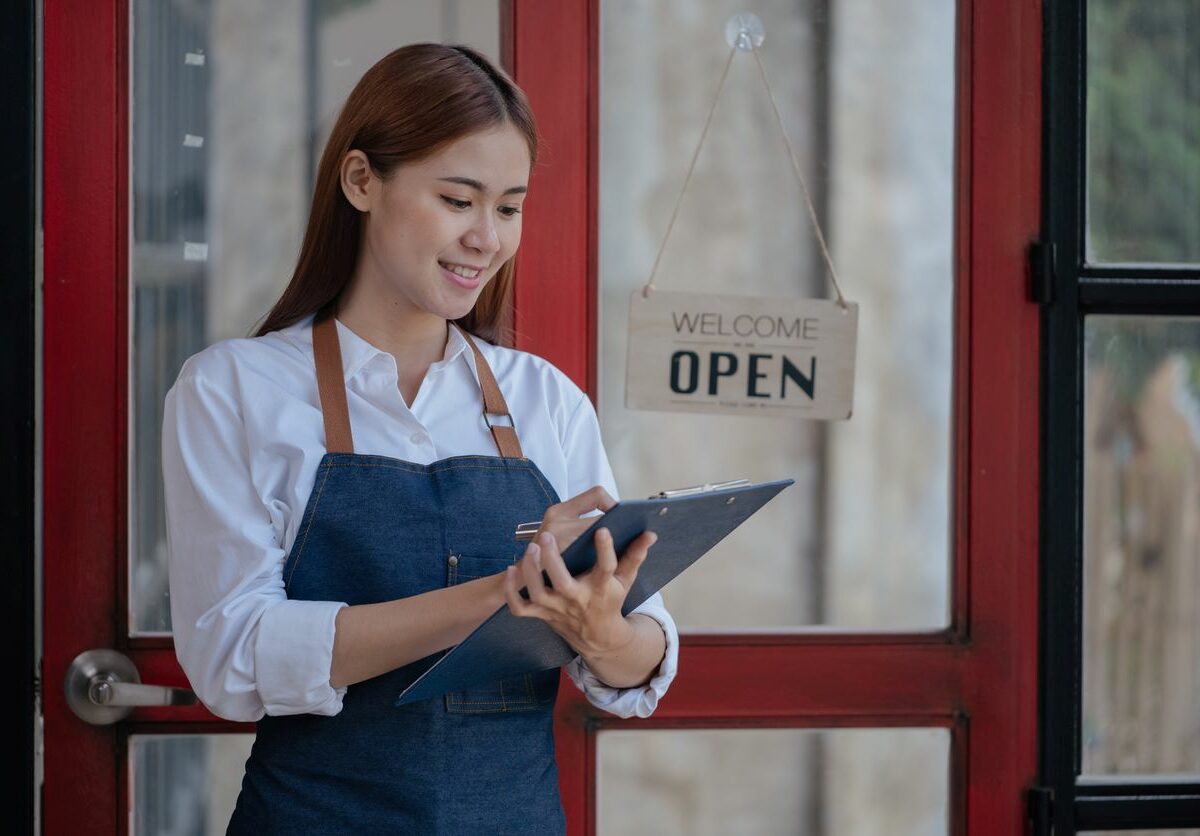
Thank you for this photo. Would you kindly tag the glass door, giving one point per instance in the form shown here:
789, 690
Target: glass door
888, 620
863, 659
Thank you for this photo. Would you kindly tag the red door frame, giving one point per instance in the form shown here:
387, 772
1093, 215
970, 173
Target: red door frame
978, 678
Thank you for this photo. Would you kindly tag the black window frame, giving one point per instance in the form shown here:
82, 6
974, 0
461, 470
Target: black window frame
1070, 289
19, 59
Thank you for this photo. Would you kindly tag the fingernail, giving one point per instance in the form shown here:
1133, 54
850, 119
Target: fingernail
605, 534
653, 538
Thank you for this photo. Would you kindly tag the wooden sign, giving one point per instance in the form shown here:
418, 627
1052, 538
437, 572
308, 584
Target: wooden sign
741, 355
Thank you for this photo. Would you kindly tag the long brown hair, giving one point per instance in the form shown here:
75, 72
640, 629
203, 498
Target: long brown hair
410, 103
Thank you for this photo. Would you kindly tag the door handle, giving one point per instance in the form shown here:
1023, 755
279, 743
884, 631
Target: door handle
103, 687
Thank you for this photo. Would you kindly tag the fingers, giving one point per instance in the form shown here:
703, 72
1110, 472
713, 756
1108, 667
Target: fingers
530, 568
606, 556
591, 499
633, 557
512, 595
565, 531
552, 562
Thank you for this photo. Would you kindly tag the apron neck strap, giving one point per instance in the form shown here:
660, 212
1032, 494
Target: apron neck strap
495, 408
331, 386
331, 382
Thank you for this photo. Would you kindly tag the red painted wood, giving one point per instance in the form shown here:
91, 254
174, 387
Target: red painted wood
830, 680
1001, 682
960, 566
551, 50
573, 752
83, 427
555, 312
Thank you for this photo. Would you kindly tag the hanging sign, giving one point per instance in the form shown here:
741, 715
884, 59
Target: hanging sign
741, 355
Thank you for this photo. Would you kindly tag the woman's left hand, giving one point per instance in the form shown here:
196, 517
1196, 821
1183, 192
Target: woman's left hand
584, 610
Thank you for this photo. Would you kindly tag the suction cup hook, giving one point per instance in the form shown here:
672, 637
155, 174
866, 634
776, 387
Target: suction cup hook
745, 31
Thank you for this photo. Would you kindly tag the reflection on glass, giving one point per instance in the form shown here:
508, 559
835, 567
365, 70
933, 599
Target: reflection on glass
712, 782
232, 103
1143, 131
185, 783
866, 90
1141, 545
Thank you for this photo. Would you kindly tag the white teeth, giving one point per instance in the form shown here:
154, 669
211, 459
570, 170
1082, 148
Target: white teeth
465, 272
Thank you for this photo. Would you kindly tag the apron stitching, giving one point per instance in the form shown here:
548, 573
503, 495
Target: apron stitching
542, 487
308, 528
421, 468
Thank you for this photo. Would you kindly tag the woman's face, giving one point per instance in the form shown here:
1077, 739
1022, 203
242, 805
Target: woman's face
440, 228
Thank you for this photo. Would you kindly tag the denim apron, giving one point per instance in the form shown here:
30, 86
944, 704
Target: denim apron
375, 529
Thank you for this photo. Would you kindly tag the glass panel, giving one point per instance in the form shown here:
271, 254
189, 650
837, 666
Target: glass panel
185, 783
1143, 131
1141, 545
231, 106
773, 781
867, 93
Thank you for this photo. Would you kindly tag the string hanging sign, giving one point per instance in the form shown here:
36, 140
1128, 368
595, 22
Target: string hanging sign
742, 355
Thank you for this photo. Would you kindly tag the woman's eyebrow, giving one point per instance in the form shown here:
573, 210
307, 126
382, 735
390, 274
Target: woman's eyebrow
475, 184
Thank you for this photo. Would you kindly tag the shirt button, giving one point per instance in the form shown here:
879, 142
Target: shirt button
452, 560
418, 438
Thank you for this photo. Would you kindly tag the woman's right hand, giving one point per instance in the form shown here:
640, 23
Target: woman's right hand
563, 520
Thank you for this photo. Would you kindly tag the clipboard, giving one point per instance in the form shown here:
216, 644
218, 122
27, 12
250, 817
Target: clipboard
688, 521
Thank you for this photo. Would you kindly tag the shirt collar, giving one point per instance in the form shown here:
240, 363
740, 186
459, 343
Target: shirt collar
357, 352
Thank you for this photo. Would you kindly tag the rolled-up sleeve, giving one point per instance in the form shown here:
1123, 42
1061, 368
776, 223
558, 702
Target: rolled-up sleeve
638, 701
246, 649
588, 465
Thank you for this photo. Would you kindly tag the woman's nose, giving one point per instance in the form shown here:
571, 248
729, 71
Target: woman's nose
482, 236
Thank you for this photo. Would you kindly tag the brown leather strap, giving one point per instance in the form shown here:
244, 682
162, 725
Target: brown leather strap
494, 405
331, 381
331, 386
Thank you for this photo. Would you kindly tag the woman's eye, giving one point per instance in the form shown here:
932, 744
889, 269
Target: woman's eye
507, 211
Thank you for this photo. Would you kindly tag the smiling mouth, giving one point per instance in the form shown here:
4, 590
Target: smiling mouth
462, 275
461, 270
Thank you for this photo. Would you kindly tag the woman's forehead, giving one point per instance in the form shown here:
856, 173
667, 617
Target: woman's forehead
497, 159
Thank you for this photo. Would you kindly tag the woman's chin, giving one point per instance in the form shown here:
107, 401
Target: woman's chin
455, 310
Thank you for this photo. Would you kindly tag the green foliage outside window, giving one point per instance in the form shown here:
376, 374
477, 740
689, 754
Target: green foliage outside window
1143, 131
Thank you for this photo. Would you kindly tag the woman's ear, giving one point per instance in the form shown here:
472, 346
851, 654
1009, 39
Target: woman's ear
356, 177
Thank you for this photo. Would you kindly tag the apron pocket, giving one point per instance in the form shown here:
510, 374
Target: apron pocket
525, 692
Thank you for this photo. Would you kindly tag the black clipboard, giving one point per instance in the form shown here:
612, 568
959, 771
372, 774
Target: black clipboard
688, 521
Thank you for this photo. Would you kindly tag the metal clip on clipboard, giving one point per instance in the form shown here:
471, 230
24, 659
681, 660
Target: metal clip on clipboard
527, 531
705, 488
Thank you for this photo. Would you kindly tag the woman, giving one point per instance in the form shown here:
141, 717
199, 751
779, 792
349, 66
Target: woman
342, 489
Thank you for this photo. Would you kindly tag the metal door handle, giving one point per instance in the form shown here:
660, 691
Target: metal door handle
103, 687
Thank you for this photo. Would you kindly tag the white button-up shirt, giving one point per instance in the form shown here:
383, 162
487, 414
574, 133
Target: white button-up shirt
241, 440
